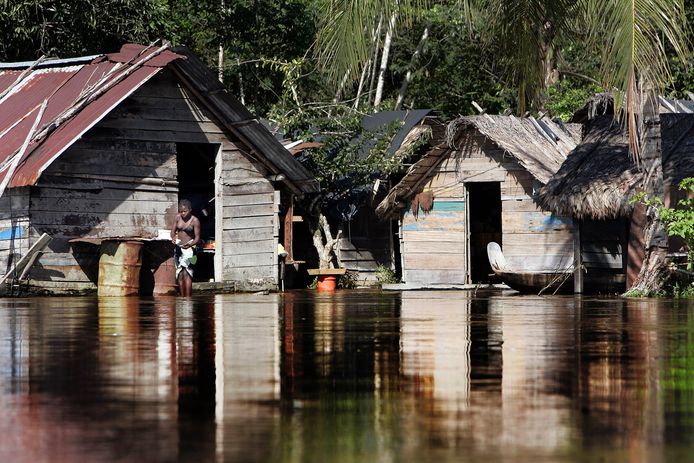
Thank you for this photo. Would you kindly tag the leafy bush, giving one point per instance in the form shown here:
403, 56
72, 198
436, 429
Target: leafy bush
678, 221
385, 275
347, 281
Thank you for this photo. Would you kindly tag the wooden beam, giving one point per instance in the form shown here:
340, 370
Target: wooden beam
29, 258
578, 261
289, 228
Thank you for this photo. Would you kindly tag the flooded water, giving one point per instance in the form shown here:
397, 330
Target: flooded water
347, 377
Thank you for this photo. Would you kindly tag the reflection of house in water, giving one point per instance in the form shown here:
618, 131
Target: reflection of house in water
619, 373
538, 371
482, 372
308, 376
330, 344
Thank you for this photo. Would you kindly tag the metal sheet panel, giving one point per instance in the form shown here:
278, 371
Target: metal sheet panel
64, 87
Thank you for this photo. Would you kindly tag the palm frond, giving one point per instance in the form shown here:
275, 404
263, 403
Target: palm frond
631, 34
347, 28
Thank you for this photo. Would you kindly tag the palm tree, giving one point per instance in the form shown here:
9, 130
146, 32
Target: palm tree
629, 35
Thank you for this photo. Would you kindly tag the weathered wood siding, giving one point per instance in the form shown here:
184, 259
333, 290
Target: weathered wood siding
434, 245
14, 227
96, 189
119, 180
250, 224
366, 243
603, 245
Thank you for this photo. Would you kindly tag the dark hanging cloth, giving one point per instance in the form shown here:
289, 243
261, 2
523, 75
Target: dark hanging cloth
423, 200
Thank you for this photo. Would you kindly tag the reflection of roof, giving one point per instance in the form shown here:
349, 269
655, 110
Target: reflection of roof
79, 92
599, 177
539, 146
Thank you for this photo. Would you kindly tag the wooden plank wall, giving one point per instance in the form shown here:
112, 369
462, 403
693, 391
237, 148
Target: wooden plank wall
434, 246
137, 141
603, 245
250, 227
14, 227
366, 243
77, 197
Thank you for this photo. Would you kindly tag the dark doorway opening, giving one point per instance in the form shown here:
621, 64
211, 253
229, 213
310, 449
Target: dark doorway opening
484, 202
196, 175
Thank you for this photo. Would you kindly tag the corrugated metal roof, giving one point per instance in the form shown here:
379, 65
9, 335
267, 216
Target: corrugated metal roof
50, 62
78, 97
82, 91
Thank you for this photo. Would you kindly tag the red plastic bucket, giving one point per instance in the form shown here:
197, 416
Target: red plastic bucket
327, 282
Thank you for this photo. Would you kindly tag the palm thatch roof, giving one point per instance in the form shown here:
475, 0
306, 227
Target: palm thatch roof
539, 146
598, 178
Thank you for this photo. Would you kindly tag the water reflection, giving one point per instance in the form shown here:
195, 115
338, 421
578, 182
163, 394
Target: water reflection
352, 376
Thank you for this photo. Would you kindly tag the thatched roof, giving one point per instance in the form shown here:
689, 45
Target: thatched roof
539, 146
598, 178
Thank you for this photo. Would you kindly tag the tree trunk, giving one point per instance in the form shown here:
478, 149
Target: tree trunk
341, 87
372, 72
361, 84
220, 64
413, 62
323, 240
242, 95
654, 273
220, 58
384, 61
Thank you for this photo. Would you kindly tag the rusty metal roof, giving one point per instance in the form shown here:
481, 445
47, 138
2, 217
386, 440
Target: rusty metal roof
77, 95
79, 92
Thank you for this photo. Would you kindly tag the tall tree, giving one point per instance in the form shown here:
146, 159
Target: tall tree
64, 28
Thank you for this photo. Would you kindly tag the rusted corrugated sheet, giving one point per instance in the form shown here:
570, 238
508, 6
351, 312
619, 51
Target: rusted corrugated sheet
88, 89
78, 97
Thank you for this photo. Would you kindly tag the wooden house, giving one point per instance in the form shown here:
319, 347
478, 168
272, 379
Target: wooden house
476, 185
597, 180
103, 147
368, 242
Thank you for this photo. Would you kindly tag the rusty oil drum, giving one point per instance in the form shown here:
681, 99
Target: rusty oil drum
165, 279
120, 263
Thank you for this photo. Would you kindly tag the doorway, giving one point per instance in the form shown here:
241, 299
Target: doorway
196, 182
484, 225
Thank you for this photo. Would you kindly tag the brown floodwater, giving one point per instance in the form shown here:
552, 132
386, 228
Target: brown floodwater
354, 376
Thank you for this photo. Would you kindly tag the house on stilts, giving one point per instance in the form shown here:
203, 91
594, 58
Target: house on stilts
596, 182
478, 184
101, 148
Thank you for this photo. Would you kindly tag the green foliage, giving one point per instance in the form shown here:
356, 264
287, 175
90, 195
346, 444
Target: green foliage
679, 221
308, 121
386, 275
349, 160
313, 284
341, 165
30, 28
348, 281
455, 67
565, 97
683, 291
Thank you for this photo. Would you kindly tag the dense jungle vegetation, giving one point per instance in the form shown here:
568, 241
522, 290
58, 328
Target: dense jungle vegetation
270, 58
